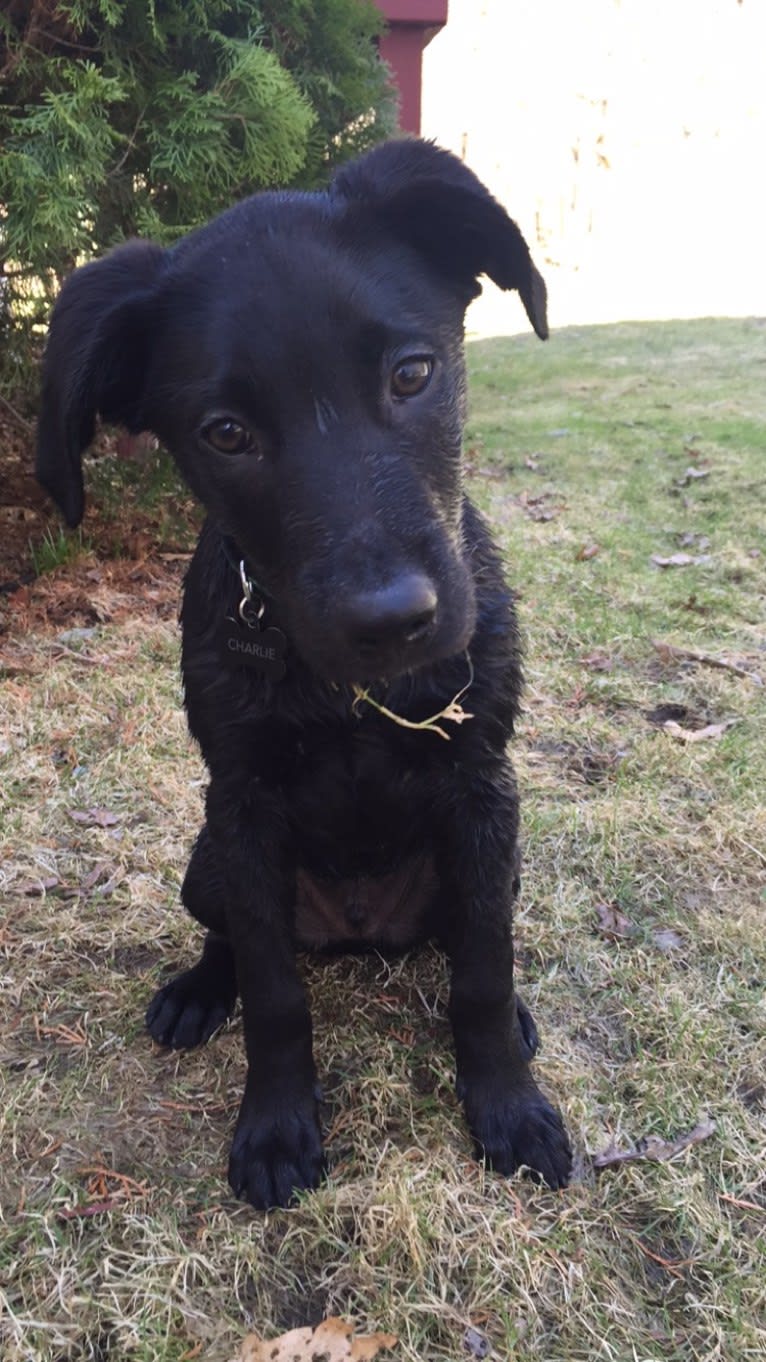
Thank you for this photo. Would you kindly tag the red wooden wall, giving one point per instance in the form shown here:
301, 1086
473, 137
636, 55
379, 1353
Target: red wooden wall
411, 24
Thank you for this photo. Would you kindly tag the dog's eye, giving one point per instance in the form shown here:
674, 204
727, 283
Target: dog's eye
411, 376
228, 436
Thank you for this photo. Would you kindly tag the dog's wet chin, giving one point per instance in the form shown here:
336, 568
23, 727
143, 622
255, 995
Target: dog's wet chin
342, 665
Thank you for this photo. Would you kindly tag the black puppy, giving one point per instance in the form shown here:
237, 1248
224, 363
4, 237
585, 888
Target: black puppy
301, 356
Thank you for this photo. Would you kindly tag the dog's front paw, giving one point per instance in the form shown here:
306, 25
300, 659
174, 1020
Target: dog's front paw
188, 1010
275, 1154
518, 1127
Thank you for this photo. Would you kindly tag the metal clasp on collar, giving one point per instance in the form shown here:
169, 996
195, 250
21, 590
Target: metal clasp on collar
251, 608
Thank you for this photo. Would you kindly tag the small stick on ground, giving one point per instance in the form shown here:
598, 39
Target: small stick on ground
16, 416
669, 650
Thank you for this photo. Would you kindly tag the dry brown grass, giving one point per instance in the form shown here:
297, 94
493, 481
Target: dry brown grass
119, 1238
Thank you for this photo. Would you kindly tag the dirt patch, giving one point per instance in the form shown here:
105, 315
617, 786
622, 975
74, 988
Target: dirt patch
138, 514
592, 765
128, 561
24, 510
74, 600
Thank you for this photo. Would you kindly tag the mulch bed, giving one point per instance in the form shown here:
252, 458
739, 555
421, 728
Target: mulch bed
127, 569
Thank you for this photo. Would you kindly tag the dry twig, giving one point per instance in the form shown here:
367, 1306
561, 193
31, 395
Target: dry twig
671, 650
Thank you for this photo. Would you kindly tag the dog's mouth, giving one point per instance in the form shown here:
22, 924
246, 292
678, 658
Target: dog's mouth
369, 662
441, 721
369, 666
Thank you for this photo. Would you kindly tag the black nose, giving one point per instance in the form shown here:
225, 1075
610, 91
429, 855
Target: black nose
400, 613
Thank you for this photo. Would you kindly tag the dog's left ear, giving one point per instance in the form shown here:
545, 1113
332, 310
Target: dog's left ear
95, 363
429, 198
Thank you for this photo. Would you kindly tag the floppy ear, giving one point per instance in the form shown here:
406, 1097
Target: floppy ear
95, 362
429, 198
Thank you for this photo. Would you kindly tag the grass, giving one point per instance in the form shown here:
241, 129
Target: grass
119, 1238
57, 548
148, 491
135, 506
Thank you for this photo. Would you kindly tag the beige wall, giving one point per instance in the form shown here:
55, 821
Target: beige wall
627, 138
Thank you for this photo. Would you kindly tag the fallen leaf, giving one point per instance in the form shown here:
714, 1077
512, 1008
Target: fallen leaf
333, 1341
694, 540
691, 474
666, 940
71, 636
691, 603
100, 872
675, 560
652, 1148
598, 661
475, 1343
587, 551
36, 888
99, 818
697, 734
612, 923
537, 505
680, 560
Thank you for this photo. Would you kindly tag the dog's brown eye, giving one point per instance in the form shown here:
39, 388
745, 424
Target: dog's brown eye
410, 377
228, 436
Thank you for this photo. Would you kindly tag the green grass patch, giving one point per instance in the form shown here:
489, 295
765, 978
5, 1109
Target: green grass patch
119, 1238
57, 548
143, 493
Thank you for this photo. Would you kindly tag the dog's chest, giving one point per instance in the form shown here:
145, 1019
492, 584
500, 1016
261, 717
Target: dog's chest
360, 821
365, 910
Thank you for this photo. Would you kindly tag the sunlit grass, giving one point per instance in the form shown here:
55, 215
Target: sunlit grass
119, 1236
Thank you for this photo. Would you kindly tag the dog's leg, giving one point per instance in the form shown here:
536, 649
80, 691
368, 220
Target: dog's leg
277, 1146
203, 892
511, 1122
189, 1009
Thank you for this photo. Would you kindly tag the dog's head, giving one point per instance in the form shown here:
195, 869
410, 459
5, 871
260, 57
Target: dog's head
301, 357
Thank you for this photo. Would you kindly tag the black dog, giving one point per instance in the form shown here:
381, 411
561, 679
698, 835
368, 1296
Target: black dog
301, 356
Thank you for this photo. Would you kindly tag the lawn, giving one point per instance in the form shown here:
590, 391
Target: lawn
640, 930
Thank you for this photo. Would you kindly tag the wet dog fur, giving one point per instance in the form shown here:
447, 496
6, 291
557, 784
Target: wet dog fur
302, 358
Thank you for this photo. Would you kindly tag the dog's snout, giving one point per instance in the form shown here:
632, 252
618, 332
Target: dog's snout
400, 613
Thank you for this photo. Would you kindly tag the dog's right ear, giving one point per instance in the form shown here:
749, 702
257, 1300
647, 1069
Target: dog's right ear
95, 362
427, 197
